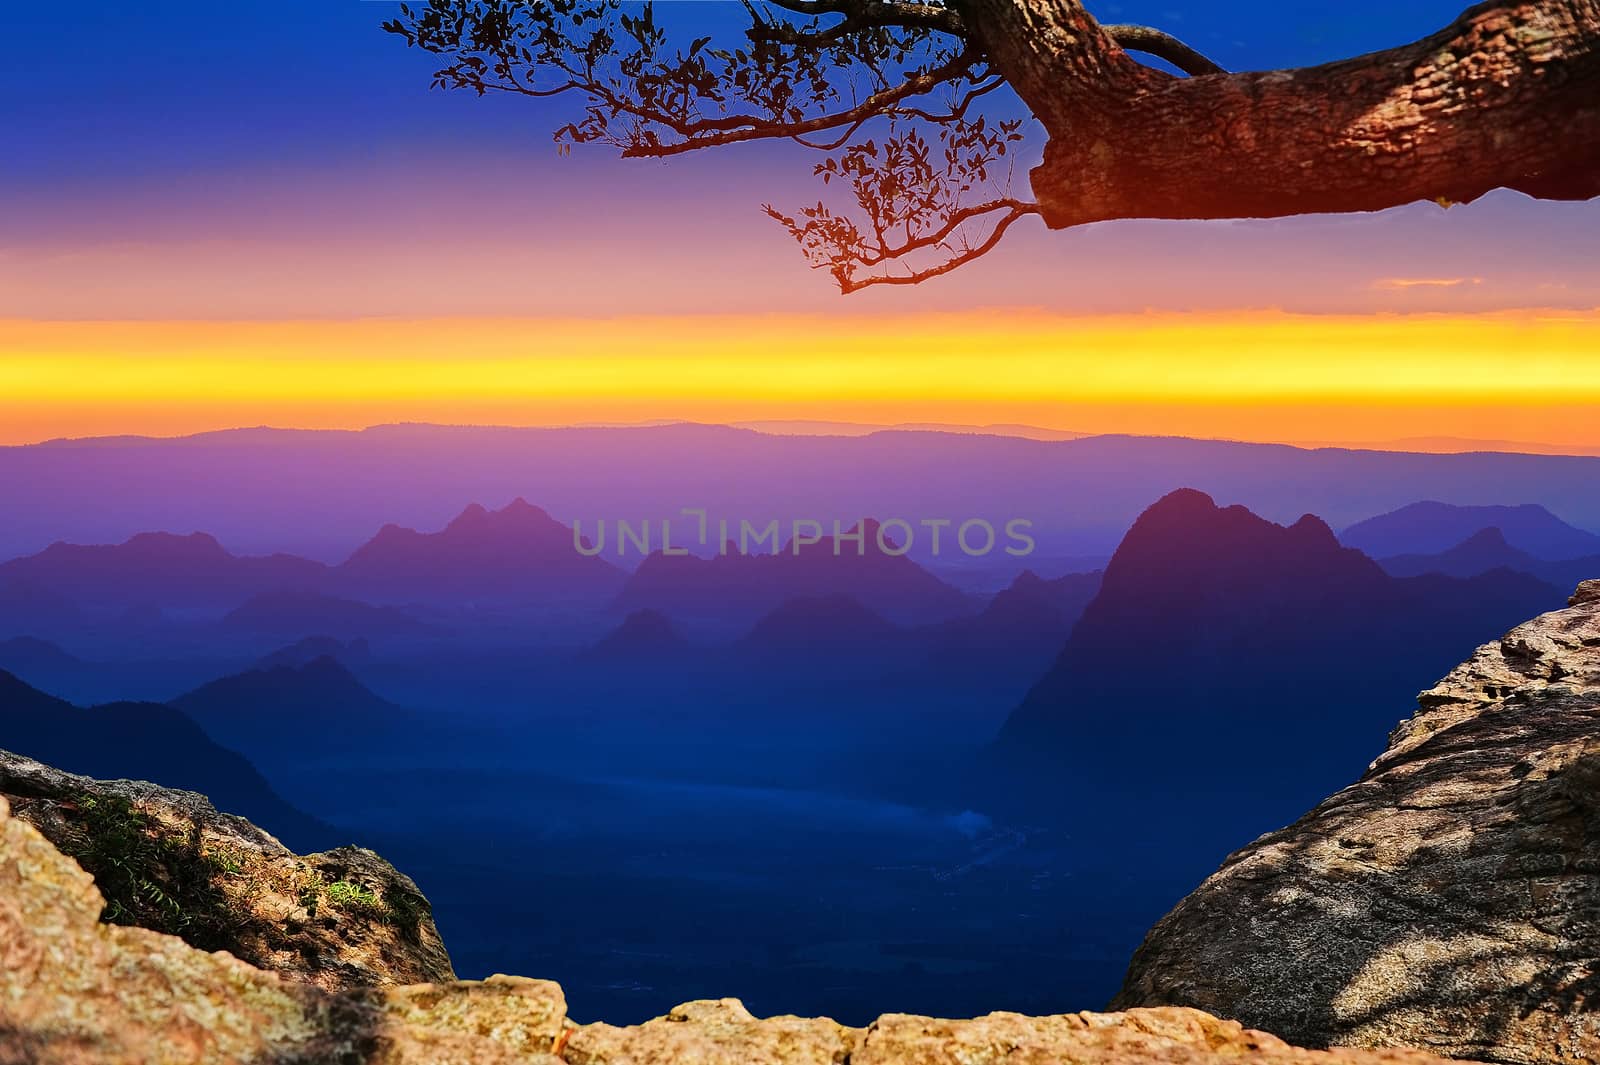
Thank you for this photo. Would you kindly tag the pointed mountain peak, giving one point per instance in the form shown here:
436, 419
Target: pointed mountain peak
1182, 501
391, 533
472, 517
642, 632
520, 507
1027, 580
1313, 529
1186, 538
326, 666
1493, 536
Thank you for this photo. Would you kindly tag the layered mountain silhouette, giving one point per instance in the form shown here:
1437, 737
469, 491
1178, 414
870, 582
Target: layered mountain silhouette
516, 554
1489, 550
160, 568
1481, 552
828, 625
299, 714
1030, 612
38, 662
288, 614
242, 485
1236, 666
740, 588
303, 652
1429, 528
1008, 646
147, 741
645, 637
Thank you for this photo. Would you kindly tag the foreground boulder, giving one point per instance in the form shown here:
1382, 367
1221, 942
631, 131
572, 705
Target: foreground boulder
168, 861
77, 991
1450, 899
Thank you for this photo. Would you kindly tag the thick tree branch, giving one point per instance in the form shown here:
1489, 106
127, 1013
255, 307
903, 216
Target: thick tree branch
1506, 96
865, 14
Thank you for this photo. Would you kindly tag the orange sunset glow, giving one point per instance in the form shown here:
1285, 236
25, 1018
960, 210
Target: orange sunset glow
1256, 376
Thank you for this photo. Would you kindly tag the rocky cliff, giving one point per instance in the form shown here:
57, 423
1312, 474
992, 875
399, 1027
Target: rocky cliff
75, 990
1449, 899
167, 860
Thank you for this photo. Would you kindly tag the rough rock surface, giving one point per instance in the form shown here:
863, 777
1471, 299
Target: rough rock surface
1450, 899
77, 991
168, 861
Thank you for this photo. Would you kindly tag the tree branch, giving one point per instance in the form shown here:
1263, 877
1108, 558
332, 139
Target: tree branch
1162, 45
863, 14
1507, 96
1015, 210
735, 129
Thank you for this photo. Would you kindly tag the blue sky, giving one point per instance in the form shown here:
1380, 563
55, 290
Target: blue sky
94, 90
247, 158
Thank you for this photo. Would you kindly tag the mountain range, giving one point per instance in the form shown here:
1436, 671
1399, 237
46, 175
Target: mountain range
158, 567
518, 553
1231, 667
1488, 549
263, 490
645, 637
1429, 528
299, 714
737, 588
147, 741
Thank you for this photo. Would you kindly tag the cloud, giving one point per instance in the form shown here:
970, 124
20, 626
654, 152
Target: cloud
1401, 284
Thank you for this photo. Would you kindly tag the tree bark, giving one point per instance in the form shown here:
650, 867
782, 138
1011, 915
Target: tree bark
1506, 96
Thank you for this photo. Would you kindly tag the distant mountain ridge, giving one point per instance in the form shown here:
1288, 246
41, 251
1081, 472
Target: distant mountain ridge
517, 552
645, 636
1485, 550
1022, 628
147, 741
289, 713
741, 588
158, 567
825, 625
261, 491
1488, 550
1429, 527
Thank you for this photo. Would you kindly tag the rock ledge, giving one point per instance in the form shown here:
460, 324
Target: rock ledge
1449, 899
77, 991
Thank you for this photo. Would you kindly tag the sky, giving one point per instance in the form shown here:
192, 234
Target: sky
259, 213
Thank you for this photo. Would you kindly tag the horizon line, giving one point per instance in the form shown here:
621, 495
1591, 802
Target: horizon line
818, 427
